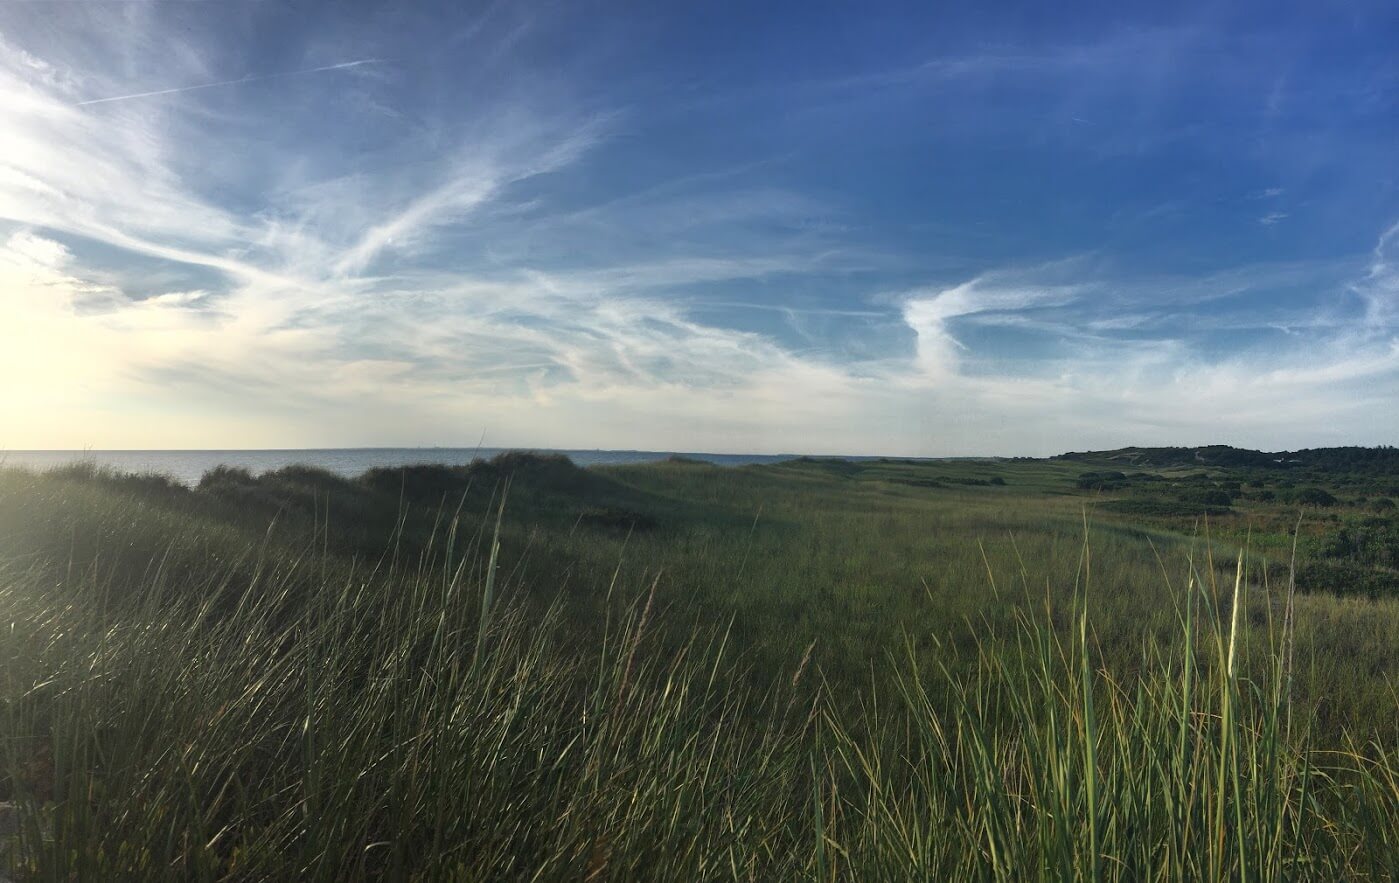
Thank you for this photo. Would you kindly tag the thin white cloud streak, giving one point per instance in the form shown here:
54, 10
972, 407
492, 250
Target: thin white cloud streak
254, 78
929, 315
475, 179
1380, 288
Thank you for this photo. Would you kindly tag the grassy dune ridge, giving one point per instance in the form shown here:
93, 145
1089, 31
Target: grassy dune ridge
811, 670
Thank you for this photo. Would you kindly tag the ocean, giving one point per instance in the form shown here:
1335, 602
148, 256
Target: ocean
188, 466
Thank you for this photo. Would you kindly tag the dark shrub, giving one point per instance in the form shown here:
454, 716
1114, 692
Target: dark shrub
829, 464
1347, 578
225, 477
301, 476
552, 472
1314, 496
1102, 481
1372, 542
1212, 498
151, 484
421, 482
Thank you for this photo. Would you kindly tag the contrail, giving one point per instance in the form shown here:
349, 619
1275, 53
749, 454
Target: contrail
310, 70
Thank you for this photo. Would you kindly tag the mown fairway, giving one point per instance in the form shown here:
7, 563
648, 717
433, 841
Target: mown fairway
813, 670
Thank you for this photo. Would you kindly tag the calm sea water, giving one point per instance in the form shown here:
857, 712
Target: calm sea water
188, 466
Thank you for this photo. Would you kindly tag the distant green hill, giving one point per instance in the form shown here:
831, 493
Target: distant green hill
1378, 460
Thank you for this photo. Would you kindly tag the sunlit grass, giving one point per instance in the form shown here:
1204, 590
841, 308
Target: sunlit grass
216, 703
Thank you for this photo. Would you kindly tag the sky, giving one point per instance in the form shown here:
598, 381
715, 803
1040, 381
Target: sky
926, 229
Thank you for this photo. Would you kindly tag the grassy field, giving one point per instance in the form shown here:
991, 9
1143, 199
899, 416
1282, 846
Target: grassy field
1079, 668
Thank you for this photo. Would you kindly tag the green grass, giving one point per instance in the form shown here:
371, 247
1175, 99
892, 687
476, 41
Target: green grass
812, 670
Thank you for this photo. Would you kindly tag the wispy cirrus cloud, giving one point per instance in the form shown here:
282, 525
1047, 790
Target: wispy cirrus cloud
252, 78
401, 253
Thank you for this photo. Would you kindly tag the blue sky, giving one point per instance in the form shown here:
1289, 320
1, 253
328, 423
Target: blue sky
929, 229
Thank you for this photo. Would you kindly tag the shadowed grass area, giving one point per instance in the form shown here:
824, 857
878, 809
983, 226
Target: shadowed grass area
521, 669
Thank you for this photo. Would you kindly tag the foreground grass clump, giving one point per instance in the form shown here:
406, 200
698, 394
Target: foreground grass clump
1042, 766
382, 730
236, 707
